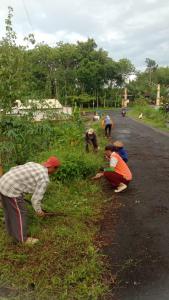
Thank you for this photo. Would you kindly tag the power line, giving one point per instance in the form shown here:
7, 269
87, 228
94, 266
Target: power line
27, 15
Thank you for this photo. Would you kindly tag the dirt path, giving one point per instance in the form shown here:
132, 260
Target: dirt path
135, 230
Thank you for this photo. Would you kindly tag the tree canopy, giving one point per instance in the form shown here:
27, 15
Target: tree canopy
79, 72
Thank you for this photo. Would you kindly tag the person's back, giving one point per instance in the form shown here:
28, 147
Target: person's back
91, 138
123, 153
108, 126
107, 120
31, 178
23, 179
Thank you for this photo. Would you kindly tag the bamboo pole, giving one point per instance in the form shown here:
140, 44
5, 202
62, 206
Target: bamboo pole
158, 95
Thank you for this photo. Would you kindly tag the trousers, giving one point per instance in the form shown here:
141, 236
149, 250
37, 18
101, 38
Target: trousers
15, 217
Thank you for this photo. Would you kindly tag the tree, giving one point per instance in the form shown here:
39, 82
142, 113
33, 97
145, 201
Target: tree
125, 69
11, 67
151, 67
64, 71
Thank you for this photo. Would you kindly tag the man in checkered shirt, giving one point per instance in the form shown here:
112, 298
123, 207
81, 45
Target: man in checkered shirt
31, 178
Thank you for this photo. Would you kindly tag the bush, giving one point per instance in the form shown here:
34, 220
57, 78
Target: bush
75, 167
22, 139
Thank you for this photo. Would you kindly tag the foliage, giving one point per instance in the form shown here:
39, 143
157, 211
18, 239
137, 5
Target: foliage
20, 138
66, 263
145, 85
11, 62
156, 117
56, 72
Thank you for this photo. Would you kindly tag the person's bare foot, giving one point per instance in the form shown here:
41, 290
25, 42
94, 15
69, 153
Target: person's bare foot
121, 188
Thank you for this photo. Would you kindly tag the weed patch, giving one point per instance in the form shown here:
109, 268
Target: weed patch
65, 264
152, 116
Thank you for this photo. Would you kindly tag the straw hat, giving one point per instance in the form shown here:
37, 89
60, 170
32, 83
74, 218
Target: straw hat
118, 144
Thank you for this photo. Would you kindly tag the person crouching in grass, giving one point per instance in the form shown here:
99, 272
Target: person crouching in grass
118, 173
91, 139
31, 178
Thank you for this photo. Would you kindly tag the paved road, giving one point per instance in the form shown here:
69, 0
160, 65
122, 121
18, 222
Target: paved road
139, 249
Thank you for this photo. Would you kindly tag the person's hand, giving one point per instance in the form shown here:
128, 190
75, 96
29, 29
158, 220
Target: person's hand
98, 175
40, 213
107, 158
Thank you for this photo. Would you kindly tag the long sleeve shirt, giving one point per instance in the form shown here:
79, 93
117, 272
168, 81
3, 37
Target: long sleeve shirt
31, 178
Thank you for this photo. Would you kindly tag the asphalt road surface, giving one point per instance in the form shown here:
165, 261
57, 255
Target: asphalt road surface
136, 225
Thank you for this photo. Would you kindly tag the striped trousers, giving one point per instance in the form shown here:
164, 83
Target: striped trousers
15, 217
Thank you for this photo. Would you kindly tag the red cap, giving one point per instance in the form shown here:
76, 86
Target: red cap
52, 161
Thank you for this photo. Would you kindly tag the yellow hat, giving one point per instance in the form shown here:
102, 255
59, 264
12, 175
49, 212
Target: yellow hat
118, 144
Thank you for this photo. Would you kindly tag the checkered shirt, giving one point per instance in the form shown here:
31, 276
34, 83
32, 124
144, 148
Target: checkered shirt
31, 178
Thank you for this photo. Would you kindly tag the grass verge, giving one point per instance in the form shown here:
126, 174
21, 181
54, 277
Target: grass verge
65, 264
151, 116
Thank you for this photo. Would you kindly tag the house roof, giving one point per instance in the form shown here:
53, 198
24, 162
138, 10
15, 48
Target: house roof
44, 104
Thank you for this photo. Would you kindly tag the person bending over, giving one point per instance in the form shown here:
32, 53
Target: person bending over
31, 178
91, 139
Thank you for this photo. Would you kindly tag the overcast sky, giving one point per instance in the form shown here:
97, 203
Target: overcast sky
133, 29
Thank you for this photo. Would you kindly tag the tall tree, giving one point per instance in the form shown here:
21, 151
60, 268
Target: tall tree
151, 66
11, 67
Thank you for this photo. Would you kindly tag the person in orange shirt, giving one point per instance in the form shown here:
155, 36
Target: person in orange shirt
118, 173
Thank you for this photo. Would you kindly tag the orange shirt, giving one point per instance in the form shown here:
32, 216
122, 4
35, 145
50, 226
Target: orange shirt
120, 166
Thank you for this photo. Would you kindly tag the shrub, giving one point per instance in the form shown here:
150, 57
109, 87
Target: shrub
75, 167
22, 139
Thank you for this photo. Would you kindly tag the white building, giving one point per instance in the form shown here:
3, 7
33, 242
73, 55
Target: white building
41, 109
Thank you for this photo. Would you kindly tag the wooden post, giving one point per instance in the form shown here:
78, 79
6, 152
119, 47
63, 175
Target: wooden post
158, 95
124, 99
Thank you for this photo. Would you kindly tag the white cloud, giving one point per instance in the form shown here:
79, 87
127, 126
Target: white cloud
132, 29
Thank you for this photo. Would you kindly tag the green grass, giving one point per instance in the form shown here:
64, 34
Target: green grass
65, 264
151, 116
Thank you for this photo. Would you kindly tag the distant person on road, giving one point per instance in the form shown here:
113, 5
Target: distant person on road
30, 178
108, 125
119, 146
123, 112
91, 139
118, 173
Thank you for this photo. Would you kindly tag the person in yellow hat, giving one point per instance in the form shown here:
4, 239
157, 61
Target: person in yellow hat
119, 147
